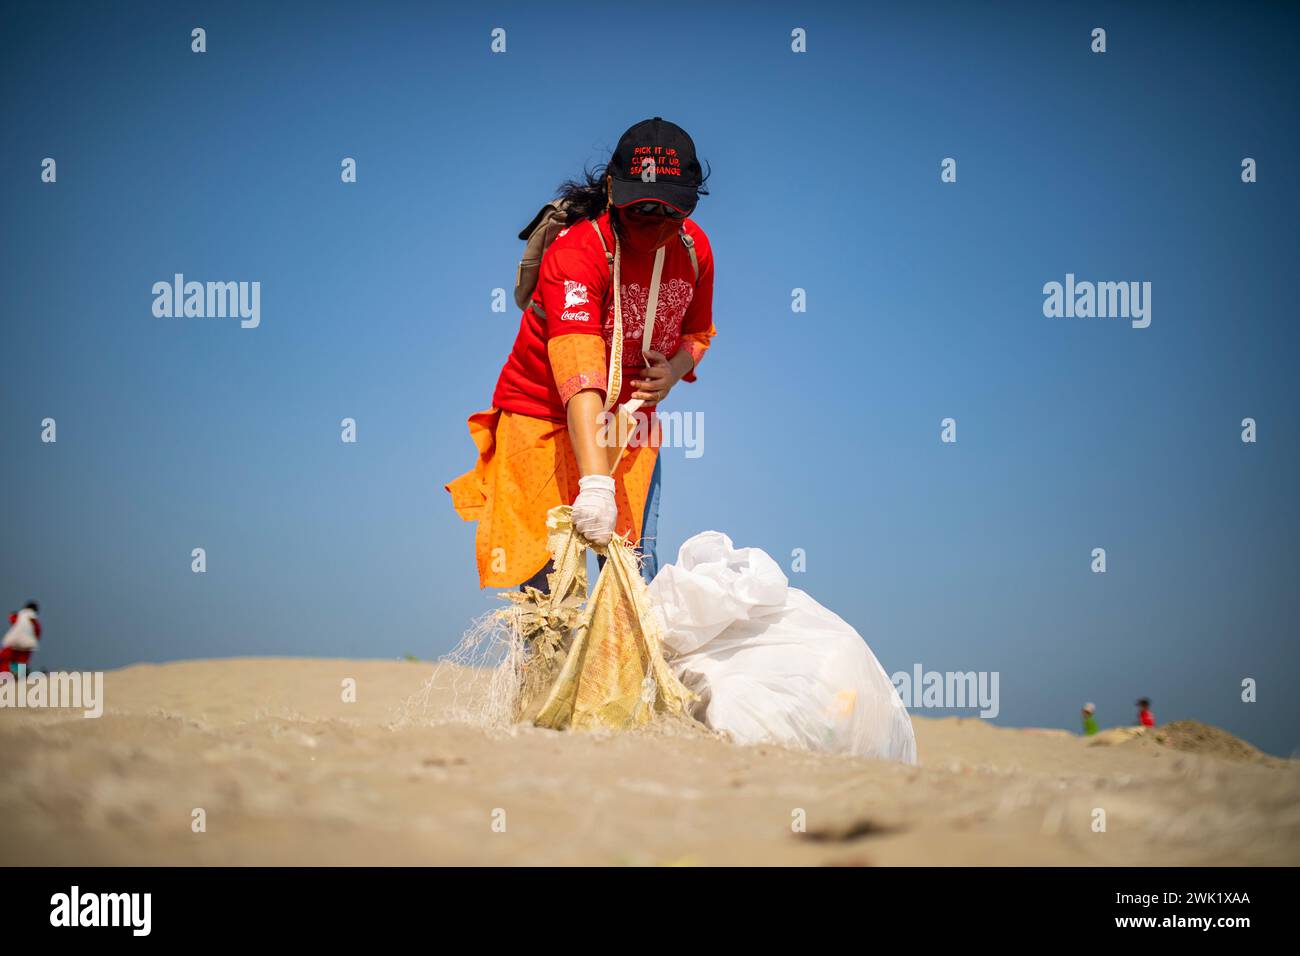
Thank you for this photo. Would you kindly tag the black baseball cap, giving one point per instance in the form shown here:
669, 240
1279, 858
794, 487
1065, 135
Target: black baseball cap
677, 176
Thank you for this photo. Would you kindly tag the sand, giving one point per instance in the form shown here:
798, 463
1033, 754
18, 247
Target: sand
287, 772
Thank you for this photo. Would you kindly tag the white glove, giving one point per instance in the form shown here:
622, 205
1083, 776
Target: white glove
594, 511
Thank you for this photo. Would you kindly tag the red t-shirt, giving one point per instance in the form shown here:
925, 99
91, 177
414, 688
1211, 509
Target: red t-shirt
574, 287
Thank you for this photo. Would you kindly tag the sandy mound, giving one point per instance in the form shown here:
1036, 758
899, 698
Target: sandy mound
305, 761
1187, 736
1192, 736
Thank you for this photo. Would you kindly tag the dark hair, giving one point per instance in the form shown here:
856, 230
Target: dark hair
32, 605
587, 196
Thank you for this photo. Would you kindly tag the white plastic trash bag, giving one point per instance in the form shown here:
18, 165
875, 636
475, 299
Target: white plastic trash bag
768, 662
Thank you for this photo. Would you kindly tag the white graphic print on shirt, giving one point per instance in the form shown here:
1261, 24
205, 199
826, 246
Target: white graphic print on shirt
674, 297
575, 293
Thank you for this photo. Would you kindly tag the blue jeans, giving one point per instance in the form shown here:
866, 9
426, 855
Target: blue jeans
647, 548
650, 525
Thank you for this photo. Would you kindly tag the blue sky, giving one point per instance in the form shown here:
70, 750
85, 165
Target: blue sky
821, 428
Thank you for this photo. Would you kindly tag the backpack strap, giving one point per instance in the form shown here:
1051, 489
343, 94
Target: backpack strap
689, 243
609, 258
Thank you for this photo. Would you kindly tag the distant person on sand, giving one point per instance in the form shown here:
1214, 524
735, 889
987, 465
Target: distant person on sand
1089, 720
1145, 717
20, 640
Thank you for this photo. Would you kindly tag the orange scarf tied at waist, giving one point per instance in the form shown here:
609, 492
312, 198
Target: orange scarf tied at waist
525, 468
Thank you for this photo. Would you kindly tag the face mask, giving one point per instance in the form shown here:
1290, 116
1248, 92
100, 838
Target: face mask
647, 235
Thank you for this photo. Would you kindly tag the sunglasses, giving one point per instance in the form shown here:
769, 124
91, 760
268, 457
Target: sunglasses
651, 208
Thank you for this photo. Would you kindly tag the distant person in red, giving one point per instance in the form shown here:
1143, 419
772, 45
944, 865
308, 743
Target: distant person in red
20, 640
1145, 717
